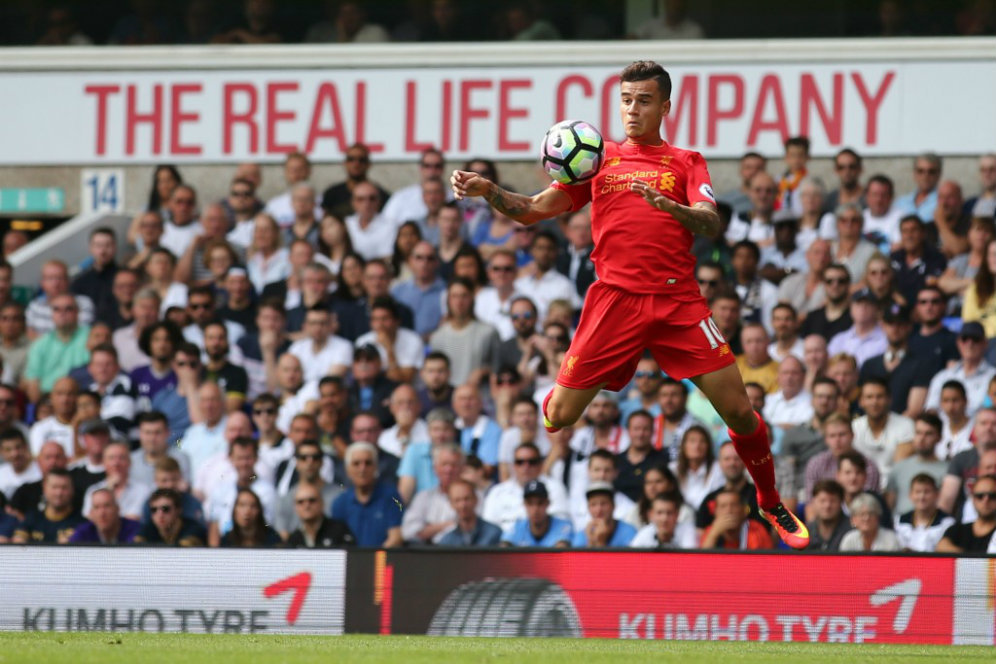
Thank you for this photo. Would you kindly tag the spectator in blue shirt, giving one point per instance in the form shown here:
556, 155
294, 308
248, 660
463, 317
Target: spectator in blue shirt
479, 434
469, 529
922, 201
371, 509
415, 473
423, 292
603, 529
538, 528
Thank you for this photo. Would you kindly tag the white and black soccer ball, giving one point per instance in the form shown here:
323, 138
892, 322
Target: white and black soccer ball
572, 151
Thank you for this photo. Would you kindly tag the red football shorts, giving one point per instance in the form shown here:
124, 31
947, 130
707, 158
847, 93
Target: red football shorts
617, 326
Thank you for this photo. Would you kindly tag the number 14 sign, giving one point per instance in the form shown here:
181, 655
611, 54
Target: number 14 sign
102, 190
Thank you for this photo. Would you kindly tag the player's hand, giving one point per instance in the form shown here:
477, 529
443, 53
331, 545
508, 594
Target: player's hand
652, 196
467, 183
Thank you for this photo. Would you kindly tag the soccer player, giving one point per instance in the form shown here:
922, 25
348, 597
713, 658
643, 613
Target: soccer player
647, 201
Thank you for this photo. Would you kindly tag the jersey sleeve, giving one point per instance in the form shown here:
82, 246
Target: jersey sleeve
698, 184
580, 193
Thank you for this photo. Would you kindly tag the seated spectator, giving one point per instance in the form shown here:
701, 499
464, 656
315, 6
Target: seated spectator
408, 426
603, 529
104, 524
839, 438
468, 529
916, 263
787, 341
423, 292
415, 472
784, 257
881, 216
267, 261
14, 343
237, 299
434, 388
19, 466
673, 419
309, 460
95, 282
168, 476
182, 225
249, 529
174, 403
117, 405
59, 426
469, 343
852, 473
371, 509
828, 524
731, 529
94, 436
297, 168
504, 502
696, 468
158, 343
522, 423
55, 353
158, 273
336, 199
30, 495
758, 296
791, 405
195, 265
129, 494
834, 316
306, 216
923, 199
922, 528
869, 534
401, 350
539, 528
906, 373
804, 441
646, 381
926, 434
755, 364
851, 249
167, 525
735, 478
479, 434
661, 532
205, 438
602, 466
54, 282
430, 514
315, 530
321, 352
880, 434
956, 436
58, 519
974, 536
241, 206
980, 296
243, 454
973, 371
544, 283
639, 457
959, 278
371, 232
865, 338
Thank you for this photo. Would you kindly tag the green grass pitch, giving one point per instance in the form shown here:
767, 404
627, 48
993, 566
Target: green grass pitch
106, 648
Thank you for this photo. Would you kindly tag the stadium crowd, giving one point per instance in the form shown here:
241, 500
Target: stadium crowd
342, 365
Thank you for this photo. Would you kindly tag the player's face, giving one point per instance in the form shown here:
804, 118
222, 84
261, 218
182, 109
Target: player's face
642, 109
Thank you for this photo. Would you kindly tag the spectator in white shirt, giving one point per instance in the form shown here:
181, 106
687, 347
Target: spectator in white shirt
297, 168
504, 503
791, 405
18, 467
401, 350
242, 454
956, 435
408, 426
408, 203
371, 232
321, 352
785, 322
880, 434
696, 468
58, 426
923, 527
129, 494
785, 256
267, 262
881, 218
182, 228
544, 284
493, 303
973, 371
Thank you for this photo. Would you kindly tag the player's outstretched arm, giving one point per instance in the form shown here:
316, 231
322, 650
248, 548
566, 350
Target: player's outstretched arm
525, 209
700, 218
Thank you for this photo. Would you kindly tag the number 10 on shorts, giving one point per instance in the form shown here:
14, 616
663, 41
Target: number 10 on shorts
711, 332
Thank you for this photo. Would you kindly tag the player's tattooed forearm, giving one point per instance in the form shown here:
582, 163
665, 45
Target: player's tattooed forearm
506, 202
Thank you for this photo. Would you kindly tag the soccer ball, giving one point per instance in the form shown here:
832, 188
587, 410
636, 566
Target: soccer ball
572, 151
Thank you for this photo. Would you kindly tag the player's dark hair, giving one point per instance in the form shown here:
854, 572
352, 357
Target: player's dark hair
877, 380
749, 246
932, 421
884, 180
832, 487
848, 152
645, 70
798, 141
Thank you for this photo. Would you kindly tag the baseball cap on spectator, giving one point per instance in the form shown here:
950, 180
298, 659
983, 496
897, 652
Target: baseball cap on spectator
896, 314
599, 487
864, 295
972, 330
441, 414
95, 426
366, 352
535, 488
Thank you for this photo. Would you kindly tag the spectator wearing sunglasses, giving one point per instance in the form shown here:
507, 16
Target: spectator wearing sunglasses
315, 530
290, 513
337, 199
976, 536
504, 503
168, 526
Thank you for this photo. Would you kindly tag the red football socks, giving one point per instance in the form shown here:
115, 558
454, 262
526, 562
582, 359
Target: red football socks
755, 451
547, 424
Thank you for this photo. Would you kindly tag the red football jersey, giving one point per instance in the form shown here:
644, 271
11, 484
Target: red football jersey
637, 247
